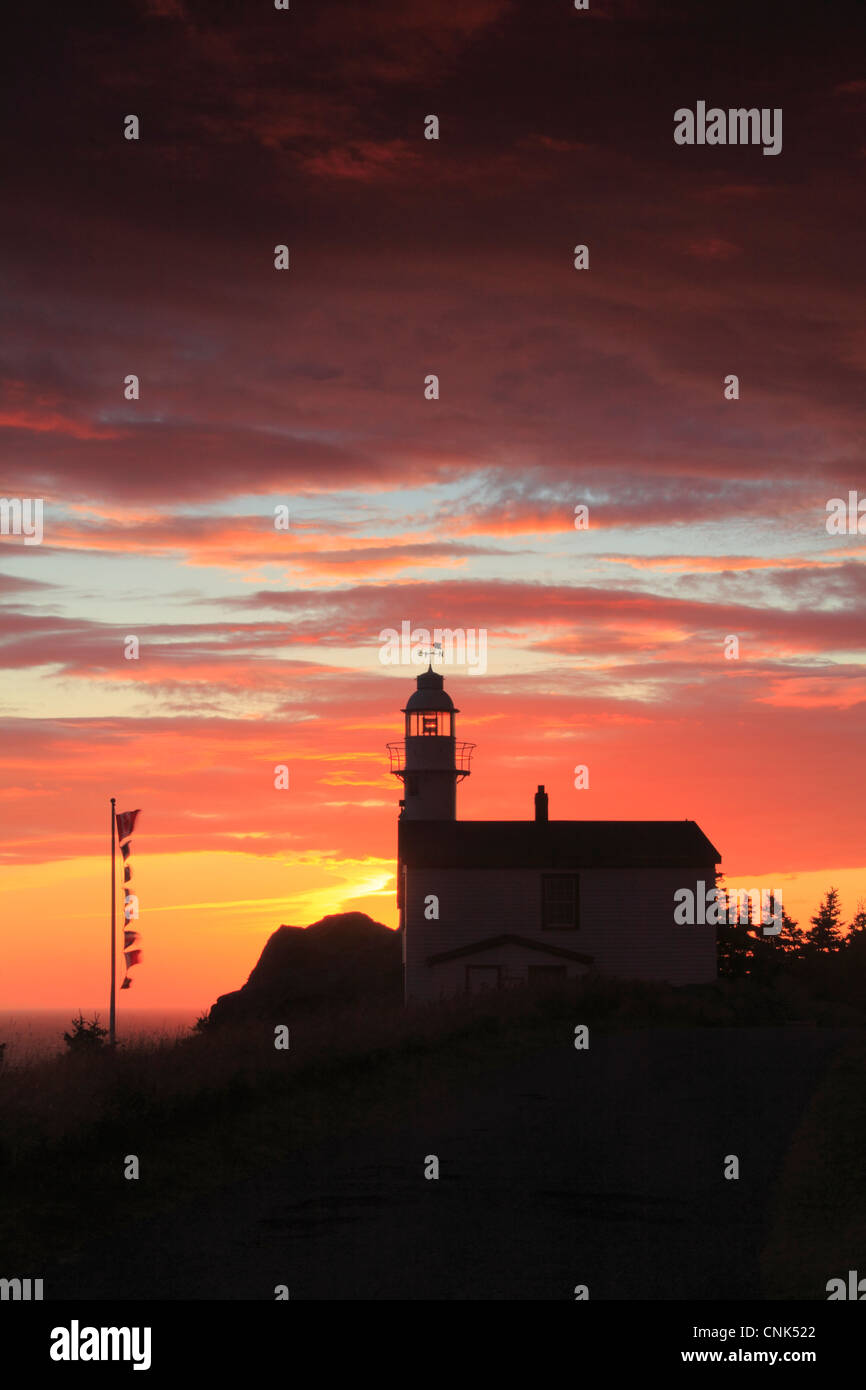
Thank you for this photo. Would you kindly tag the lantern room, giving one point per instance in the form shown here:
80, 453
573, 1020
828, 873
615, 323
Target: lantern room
430, 762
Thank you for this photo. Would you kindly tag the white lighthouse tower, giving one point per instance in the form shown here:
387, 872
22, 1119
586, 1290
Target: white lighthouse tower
430, 762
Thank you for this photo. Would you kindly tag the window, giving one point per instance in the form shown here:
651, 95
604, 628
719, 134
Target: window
429, 723
559, 902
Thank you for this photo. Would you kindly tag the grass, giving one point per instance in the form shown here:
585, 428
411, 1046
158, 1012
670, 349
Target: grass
225, 1103
820, 1203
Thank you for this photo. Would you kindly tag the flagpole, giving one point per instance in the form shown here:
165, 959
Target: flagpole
112, 1034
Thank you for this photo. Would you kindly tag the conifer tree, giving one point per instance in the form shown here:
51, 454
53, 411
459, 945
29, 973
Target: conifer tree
825, 933
858, 923
734, 943
792, 938
855, 941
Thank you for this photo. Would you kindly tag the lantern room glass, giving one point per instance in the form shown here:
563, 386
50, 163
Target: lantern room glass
430, 723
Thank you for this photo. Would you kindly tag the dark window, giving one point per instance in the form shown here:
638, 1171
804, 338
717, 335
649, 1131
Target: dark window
559, 902
411, 786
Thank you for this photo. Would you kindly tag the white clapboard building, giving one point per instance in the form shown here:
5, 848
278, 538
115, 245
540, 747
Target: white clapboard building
488, 904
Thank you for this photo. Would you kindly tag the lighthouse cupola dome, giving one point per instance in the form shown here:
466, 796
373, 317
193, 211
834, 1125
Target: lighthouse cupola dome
430, 694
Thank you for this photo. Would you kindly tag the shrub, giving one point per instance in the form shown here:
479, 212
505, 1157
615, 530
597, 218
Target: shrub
85, 1037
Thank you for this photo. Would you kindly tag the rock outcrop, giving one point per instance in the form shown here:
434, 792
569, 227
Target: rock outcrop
343, 958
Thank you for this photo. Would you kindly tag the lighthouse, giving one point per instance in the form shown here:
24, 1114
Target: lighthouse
490, 904
430, 762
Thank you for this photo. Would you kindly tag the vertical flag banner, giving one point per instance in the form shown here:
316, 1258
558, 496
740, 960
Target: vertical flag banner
123, 824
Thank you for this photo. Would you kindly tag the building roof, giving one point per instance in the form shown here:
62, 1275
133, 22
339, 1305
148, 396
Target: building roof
558, 844
429, 693
510, 939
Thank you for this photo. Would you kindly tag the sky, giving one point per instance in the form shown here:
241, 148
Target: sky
607, 646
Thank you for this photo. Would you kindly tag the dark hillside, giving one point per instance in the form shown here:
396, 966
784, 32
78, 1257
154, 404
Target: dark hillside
343, 958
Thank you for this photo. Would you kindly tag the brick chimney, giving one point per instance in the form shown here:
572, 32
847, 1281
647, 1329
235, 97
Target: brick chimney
541, 804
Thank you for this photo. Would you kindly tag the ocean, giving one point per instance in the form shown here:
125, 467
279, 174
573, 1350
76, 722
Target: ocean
36, 1033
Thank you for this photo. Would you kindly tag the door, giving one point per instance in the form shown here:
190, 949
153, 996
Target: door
481, 977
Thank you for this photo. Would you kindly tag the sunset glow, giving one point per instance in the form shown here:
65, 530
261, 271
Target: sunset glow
260, 646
